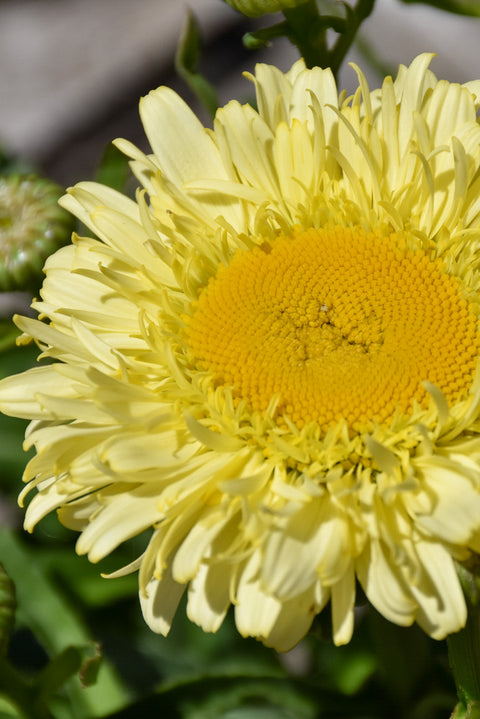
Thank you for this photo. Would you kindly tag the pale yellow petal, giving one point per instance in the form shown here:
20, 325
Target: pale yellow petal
255, 611
442, 609
384, 585
124, 514
273, 90
20, 394
455, 501
160, 601
86, 197
295, 619
343, 604
209, 595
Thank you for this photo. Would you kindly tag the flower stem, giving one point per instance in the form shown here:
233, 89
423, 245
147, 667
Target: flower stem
464, 649
306, 28
355, 18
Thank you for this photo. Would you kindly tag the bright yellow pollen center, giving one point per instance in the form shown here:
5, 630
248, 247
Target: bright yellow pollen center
336, 324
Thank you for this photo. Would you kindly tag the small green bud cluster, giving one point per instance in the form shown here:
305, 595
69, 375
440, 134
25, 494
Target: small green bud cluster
32, 227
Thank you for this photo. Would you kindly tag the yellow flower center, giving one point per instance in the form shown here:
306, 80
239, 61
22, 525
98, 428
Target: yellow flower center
336, 324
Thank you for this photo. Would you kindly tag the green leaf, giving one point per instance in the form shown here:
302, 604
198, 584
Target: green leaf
473, 710
57, 626
114, 169
256, 712
402, 654
7, 709
84, 661
219, 697
8, 335
7, 608
188, 50
353, 669
90, 665
186, 61
20, 693
9, 712
83, 578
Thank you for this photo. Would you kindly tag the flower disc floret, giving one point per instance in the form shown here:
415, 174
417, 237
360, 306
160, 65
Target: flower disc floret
339, 325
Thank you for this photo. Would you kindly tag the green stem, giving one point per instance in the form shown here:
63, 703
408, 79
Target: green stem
307, 29
345, 40
464, 648
307, 33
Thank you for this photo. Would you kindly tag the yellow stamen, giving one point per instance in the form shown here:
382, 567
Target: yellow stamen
337, 324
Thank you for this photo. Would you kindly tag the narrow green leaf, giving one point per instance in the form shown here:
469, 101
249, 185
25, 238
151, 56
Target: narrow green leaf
7, 608
113, 170
186, 61
8, 711
8, 335
188, 50
57, 626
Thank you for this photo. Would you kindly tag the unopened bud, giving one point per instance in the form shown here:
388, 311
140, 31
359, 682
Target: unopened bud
32, 227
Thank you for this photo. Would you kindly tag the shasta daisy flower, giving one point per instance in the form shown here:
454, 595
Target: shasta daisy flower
269, 359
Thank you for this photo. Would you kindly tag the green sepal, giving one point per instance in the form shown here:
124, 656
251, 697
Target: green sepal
187, 57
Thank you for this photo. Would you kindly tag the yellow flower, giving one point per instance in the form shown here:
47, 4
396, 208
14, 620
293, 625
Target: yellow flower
269, 358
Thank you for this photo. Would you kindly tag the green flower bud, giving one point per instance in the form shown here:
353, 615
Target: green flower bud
255, 8
32, 227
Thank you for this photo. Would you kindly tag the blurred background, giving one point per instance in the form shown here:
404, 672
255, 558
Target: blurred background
72, 71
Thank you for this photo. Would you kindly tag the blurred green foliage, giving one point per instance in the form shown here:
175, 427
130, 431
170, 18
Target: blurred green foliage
459, 7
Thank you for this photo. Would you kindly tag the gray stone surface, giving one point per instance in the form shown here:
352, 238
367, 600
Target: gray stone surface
71, 71
60, 60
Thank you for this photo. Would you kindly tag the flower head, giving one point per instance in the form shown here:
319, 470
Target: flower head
270, 357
